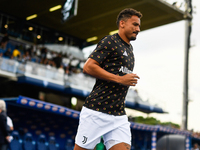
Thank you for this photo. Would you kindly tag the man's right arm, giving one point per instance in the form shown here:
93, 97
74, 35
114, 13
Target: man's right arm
93, 68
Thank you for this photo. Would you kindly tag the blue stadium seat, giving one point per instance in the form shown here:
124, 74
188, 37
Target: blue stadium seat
41, 142
29, 143
33, 59
16, 143
2, 51
69, 144
52, 143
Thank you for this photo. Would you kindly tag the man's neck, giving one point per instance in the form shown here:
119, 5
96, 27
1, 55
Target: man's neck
124, 38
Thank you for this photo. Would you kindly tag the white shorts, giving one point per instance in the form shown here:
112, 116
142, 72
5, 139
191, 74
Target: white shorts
94, 124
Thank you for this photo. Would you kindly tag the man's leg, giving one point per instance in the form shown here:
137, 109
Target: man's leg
76, 147
90, 129
120, 137
121, 146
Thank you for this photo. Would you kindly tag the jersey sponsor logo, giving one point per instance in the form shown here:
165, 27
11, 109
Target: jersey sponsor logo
125, 53
84, 139
125, 70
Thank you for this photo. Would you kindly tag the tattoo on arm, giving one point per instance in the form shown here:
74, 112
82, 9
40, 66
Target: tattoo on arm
127, 146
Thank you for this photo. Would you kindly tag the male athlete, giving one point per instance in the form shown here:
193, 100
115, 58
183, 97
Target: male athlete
111, 63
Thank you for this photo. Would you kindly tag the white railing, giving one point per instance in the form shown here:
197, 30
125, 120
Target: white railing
31, 69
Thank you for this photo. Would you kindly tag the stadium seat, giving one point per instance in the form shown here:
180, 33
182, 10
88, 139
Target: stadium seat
69, 144
2, 51
28, 68
21, 68
33, 59
42, 143
52, 143
4, 64
16, 143
11, 66
50, 73
59, 76
41, 71
29, 143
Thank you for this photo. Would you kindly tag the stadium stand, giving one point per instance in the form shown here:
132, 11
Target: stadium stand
42, 124
56, 126
16, 143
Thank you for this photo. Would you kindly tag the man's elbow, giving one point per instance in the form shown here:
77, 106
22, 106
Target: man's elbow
85, 69
89, 66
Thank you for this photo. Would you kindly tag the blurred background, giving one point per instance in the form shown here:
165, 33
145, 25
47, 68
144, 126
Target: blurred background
44, 46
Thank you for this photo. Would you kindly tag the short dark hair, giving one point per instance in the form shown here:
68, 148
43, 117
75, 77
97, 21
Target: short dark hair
127, 13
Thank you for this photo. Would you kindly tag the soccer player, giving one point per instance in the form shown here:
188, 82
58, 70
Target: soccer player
111, 63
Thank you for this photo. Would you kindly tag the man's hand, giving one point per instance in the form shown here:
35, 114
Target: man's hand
129, 79
8, 138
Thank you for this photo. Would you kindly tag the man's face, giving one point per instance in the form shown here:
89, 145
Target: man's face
131, 27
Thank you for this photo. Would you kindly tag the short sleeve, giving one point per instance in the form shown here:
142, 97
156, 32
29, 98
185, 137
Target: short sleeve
103, 50
9, 122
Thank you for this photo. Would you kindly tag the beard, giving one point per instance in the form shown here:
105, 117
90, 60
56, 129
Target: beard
132, 38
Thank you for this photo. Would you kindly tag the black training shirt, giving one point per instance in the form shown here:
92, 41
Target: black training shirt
115, 56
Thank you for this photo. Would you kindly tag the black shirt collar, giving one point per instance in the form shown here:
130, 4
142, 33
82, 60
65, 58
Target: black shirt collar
123, 40
128, 45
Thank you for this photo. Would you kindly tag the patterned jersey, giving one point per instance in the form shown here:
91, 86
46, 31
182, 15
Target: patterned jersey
115, 56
